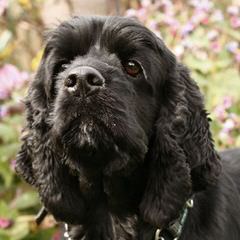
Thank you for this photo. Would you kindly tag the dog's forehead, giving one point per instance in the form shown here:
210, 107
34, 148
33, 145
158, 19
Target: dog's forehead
79, 34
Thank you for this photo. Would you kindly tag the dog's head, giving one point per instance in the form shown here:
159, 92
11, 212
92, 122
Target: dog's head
110, 93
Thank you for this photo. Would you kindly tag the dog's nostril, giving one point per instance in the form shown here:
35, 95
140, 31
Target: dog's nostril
71, 80
94, 80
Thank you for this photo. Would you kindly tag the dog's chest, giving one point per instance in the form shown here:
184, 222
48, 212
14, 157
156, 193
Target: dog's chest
116, 192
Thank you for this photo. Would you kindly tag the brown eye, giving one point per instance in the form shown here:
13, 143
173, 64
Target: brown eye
132, 68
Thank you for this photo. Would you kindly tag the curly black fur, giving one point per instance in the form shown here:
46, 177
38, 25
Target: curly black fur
123, 161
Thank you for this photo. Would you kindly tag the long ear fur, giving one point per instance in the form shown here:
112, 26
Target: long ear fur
181, 158
38, 162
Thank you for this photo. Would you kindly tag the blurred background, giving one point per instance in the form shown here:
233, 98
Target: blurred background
204, 34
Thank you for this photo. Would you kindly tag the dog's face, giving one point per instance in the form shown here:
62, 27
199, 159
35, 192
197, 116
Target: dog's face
103, 83
109, 93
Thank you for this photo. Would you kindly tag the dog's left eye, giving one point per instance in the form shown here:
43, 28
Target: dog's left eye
132, 67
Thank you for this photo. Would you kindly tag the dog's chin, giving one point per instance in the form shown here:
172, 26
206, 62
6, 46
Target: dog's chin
91, 143
86, 141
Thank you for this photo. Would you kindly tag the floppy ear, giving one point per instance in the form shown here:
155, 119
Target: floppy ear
38, 162
181, 156
36, 108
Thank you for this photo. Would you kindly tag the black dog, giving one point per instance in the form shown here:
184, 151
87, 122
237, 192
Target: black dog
117, 139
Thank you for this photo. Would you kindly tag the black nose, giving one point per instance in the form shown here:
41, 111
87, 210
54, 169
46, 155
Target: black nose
84, 81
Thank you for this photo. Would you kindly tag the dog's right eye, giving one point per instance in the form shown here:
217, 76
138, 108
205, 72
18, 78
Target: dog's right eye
132, 67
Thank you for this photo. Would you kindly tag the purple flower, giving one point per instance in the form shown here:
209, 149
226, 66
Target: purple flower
232, 46
187, 28
5, 223
10, 78
3, 112
3, 6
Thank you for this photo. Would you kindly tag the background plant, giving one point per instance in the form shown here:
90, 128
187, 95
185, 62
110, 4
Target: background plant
203, 34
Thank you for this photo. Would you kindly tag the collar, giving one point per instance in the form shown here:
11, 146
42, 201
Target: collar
174, 230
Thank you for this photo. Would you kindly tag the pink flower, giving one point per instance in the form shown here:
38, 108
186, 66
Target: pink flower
223, 136
171, 21
227, 102
235, 118
235, 21
237, 57
216, 47
57, 235
5, 223
13, 165
10, 78
131, 13
233, 10
142, 14
228, 125
198, 16
178, 50
204, 5
3, 6
217, 16
220, 112
153, 24
145, 3
226, 138
205, 21
213, 34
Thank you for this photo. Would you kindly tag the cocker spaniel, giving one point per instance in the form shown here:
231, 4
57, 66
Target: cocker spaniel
117, 140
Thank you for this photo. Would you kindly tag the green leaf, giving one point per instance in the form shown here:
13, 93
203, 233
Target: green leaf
3, 235
6, 211
203, 66
8, 133
27, 200
19, 230
223, 83
45, 234
8, 151
6, 173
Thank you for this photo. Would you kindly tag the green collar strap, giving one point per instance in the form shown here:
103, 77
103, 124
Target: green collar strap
174, 230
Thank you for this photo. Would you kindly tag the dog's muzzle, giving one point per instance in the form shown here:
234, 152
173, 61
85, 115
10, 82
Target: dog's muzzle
84, 81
